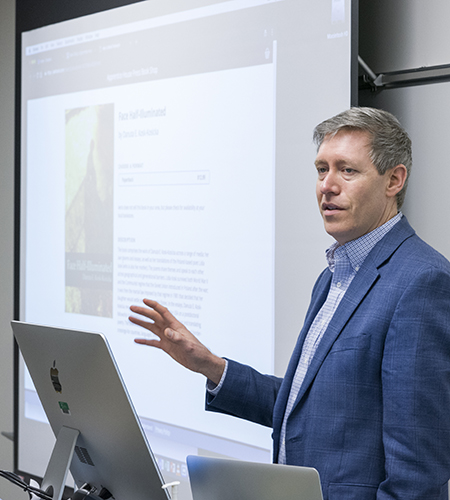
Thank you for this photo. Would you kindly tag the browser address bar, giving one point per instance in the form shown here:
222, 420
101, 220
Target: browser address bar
144, 24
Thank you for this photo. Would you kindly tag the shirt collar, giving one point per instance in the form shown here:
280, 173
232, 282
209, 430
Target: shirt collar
357, 250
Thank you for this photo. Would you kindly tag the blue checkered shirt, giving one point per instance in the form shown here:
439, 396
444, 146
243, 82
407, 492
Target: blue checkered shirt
344, 262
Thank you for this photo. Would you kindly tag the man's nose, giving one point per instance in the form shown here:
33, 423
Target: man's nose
330, 183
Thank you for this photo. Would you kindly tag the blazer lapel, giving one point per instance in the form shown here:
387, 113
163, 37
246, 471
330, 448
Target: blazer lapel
360, 286
318, 298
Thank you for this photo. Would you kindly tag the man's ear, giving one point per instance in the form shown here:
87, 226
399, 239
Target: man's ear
396, 179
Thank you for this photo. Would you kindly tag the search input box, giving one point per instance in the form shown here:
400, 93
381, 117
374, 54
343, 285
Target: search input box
174, 178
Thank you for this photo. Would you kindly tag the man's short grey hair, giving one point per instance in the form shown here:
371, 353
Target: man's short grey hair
390, 144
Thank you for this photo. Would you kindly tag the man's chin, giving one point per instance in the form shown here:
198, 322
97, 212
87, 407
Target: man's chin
338, 233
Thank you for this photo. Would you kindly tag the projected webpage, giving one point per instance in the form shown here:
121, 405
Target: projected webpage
152, 149
150, 198
146, 186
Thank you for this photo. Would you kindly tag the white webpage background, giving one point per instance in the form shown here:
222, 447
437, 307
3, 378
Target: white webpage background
230, 230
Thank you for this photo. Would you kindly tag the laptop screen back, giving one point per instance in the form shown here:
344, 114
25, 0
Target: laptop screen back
223, 479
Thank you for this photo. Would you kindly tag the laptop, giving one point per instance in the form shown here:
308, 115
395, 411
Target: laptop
224, 479
98, 432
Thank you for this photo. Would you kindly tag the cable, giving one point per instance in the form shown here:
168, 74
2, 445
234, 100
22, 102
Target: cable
18, 481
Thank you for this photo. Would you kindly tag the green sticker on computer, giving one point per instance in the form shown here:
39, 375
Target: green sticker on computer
64, 407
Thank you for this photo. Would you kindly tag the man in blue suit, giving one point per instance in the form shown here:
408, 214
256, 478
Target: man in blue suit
366, 396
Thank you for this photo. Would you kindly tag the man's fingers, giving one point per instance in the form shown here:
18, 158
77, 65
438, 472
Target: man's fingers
164, 313
155, 308
149, 342
158, 314
152, 327
140, 322
148, 313
153, 304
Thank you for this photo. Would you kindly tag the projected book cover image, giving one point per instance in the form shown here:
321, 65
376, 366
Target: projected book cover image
89, 157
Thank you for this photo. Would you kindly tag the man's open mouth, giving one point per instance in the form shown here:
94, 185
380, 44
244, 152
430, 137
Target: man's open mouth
330, 207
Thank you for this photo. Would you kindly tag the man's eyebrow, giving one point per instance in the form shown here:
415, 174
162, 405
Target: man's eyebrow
343, 161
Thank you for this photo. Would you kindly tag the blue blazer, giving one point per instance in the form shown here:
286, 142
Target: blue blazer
373, 414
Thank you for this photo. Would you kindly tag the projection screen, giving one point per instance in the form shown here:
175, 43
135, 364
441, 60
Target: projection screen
165, 152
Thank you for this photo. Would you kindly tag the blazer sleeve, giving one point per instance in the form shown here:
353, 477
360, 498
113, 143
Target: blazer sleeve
416, 390
246, 393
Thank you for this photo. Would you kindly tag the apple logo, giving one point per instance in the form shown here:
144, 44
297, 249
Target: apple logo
55, 379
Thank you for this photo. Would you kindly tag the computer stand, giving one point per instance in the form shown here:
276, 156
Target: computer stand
58, 466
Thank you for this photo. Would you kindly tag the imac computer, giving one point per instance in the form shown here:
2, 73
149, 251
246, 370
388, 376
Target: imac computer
98, 435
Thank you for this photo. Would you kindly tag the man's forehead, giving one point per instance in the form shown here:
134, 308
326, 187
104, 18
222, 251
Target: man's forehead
345, 142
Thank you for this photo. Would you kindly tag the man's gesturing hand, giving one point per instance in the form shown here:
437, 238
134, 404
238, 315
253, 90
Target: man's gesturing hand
176, 340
